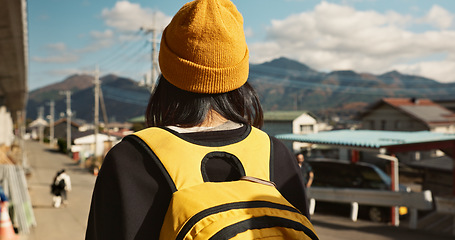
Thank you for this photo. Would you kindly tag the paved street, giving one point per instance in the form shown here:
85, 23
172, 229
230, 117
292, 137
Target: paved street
69, 222
342, 228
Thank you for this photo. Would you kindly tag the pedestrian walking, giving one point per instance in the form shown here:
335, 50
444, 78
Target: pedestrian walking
60, 187
306, 170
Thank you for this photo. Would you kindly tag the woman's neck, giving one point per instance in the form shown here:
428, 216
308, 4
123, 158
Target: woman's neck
213, 119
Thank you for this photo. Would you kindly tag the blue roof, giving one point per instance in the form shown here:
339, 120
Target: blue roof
368, 138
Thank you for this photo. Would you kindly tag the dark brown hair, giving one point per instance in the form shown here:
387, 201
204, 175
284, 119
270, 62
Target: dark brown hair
170, 106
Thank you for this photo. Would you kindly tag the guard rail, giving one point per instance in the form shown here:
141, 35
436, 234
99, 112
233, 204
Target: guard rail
412, 200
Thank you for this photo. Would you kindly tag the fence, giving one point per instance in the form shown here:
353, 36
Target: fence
413, 200
12, 178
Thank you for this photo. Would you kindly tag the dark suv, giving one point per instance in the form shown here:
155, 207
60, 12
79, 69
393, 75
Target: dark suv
340, 174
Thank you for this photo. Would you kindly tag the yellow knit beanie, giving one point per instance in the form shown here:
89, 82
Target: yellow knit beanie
203, 49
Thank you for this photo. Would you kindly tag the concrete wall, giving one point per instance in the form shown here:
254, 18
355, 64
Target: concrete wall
444, 129
6, 127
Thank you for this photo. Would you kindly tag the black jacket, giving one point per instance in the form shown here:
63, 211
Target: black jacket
131, 195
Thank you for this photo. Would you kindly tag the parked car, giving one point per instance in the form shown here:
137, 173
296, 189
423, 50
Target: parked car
340, 174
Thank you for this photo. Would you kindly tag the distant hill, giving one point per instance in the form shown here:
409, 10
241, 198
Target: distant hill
282, 84
73, 83
123, 98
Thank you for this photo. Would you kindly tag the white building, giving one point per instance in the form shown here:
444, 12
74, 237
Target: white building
85, 146
37, 128
297, 122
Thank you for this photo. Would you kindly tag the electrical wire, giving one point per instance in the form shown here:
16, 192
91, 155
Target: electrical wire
116, 52
126, 60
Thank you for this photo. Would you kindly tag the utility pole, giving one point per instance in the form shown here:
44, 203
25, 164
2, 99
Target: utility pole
96, 115
68, 119
51, 122
153, 30
103, 110
41, 126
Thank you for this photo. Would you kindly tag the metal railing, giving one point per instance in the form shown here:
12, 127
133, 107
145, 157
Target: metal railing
12, 178
412, 200
445, 205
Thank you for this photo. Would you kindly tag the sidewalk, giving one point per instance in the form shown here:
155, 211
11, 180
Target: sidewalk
68, 222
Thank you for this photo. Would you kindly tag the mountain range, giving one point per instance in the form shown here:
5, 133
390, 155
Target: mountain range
282, 84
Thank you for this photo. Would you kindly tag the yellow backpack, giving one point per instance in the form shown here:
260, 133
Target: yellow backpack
249, 208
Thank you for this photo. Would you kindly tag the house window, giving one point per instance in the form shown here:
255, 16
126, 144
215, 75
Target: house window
383, 124
306, 128
398, 125
371, 122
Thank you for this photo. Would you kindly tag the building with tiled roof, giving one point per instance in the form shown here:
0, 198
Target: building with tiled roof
408, 114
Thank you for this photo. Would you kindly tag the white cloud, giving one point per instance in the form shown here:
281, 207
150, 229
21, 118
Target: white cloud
249, 32
102, 35
63, 72
65, 58
57, 53
336, 37
439, 17
100, 40
103, 39
127, 16
125, 20
56, 47
440, 70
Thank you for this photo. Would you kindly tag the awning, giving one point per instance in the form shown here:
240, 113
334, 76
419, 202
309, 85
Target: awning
394, 141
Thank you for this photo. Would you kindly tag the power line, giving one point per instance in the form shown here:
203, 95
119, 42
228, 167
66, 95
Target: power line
127, 61
115, 51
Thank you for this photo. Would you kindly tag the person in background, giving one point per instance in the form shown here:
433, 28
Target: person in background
3, 197
4, 206
306, 169
60, 188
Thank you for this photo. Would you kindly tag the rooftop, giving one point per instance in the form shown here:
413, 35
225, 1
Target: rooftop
282, 115
424, 110
368, 138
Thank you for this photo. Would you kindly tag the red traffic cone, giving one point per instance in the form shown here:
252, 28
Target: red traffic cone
6, 226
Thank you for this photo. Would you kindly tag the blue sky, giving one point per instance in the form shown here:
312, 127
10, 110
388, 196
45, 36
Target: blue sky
375, 36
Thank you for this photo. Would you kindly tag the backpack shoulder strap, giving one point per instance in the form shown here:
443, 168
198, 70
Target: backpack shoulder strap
182, 159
